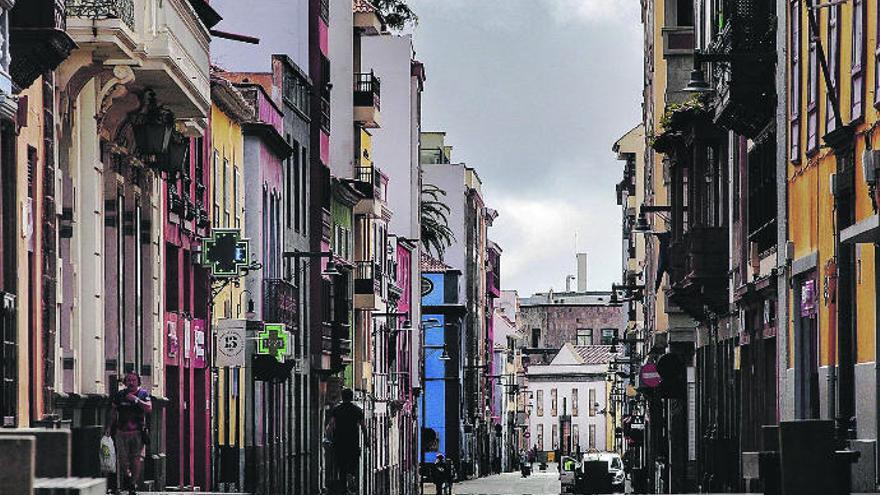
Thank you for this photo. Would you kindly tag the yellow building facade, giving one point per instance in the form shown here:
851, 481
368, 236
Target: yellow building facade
228, 111
832, 331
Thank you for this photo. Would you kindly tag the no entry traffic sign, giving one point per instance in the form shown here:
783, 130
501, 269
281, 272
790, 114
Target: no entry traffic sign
649, 376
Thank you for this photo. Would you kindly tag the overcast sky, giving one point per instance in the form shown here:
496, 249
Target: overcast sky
533, 93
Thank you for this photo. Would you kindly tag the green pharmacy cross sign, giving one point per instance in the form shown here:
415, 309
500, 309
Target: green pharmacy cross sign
273, 340
226, 253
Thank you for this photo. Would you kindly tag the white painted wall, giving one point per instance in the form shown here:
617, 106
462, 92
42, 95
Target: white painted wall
390, 58
451, 178
342, 95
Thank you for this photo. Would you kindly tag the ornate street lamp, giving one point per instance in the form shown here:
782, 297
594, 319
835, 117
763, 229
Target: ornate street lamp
152, 126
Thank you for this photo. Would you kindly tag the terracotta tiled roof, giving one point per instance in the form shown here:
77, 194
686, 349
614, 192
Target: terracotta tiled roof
362, 6
594, 354
431, 264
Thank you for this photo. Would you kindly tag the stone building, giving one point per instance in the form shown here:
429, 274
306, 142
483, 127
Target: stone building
547, 321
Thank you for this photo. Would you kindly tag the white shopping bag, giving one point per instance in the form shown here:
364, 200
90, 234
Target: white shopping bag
108, 455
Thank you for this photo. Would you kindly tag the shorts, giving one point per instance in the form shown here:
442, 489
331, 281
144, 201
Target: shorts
129, 448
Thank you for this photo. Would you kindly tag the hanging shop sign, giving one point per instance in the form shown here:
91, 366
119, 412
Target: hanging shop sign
274, 341
226, 253
427, 286
808, 298
230, 343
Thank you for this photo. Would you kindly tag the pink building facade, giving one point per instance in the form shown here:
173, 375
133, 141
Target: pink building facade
186, 331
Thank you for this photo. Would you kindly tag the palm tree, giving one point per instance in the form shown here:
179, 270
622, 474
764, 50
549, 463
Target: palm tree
436, 234
397, 13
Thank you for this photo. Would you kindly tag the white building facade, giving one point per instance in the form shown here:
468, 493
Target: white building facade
568, 400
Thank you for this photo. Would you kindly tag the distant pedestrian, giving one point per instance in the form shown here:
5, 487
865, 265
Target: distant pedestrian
344, 426
128, 425
442, 475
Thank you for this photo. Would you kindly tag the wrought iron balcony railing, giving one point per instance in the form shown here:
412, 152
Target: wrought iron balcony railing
325, 10
367, 90
369, 181
325, 115
280, 302
102, 9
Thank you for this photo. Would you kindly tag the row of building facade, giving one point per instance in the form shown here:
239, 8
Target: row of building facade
750, 228
234, 214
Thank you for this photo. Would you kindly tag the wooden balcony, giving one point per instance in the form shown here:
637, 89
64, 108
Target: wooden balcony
745, 84
367, 285
38, 40
698, 265
367, 99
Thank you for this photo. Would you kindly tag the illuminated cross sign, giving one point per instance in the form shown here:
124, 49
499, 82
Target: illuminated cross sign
273, 340
226, 253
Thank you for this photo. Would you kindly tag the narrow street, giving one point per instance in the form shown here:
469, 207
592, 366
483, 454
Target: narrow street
539, 483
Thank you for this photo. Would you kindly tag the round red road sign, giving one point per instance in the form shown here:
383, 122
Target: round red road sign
649, 376
527, 434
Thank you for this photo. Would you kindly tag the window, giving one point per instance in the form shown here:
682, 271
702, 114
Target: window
215, 186
592, 400
858, 60
584, 336
574, 402
288, 188
536, 337
794, 97
226, 189
295, 171
555, 436
575, 438
540, 437
812, 98
172, 278
833, 65
302, 194
553, 402
608, 335
592, 437
539, 399
236, 206
685, 13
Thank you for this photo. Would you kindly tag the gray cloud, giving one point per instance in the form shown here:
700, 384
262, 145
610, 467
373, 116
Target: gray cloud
533, 93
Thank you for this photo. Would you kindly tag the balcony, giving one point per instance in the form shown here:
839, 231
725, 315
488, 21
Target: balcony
38, 40
280, 303
746, 95
176, 205
367, 285
366, 18
368, 182
367, 100
166, 45
698, 271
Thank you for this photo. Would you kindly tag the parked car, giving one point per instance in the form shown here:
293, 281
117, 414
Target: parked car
614, 466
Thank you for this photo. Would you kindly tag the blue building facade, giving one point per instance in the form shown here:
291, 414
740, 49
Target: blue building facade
440, 405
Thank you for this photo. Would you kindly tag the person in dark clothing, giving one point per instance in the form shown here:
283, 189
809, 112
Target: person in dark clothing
442, 475
129, 408
344, 426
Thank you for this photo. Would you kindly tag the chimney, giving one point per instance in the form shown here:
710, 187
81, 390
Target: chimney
582, 272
